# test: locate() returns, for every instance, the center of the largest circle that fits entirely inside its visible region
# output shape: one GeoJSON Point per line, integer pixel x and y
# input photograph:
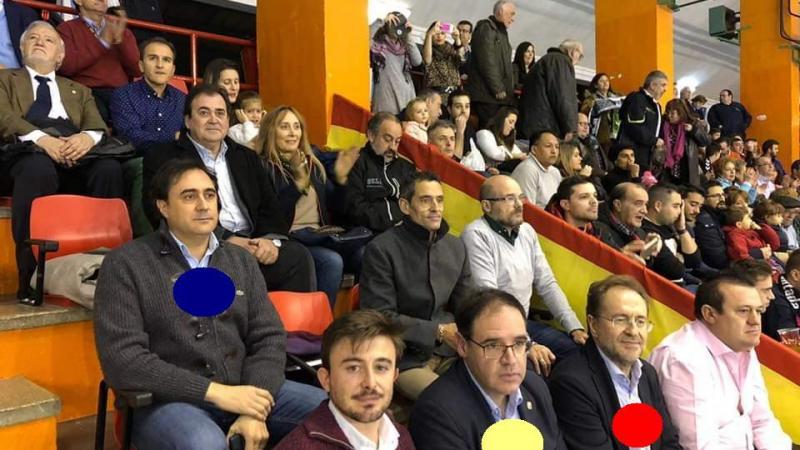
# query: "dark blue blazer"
{"type": "Point", "coordinates": [586, 401]}
{"type": "Point", "coordinates": [451, 414]}
{"type": "Point", "coordinates": [18, 18]}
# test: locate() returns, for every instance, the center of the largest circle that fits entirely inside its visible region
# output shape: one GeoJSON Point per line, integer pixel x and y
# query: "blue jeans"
{"type": "Point", "coordinates": [329, 266]}
{"type": "Point", "coordinates": [557, 341]}
{"type": "Point", "coordinates": [186, 426]}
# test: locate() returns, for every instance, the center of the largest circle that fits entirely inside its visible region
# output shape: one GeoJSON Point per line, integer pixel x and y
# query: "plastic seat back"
{"type": "Point", "coordinates": [355, 297]}
{"type": "Point", "coordinates": [80, 224]}
{"type": "Point", "coordinates": [308, 312]}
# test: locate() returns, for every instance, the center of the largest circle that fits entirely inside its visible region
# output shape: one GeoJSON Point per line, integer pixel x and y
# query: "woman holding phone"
{"type": "Point", "coordinates": [442, 59]}
{"type": "Point", "coordinates": [391, 57]}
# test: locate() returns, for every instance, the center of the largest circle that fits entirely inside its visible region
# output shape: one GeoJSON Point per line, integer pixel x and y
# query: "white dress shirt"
{"type": "Point", "coordinates": [57, 110]}
{"type": "Point", "coordinates": [388, 438]}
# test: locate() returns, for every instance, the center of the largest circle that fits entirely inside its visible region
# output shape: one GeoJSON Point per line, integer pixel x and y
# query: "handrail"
{"type": "Point", "coordinates": [249, 68]}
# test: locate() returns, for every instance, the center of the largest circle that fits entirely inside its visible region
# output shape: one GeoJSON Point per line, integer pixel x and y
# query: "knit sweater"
{"type": "Point", "coordinates": [516, 268]}
{"type": "Point", "coordinates": [145, 342]}
{"type": "Point", "coordinates": [91, 64]}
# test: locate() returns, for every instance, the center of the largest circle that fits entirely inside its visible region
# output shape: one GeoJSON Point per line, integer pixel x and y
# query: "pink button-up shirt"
{"type": "Point", "coordinates": [716, 397]}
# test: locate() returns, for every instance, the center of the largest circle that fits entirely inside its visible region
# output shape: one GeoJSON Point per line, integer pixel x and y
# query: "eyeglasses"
{"type": "Point", "coordinates": [623, 322]}
{"type": "Point", "coordinates": [510, 198]}
{"type": "Point", "coordinates": [494, 350]}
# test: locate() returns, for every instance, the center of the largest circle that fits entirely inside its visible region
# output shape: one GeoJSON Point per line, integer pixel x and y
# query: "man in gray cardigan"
{"type": "Point", "coordinates": [211, 377]}
{"type": "Point", "coordinates": [504, 253]}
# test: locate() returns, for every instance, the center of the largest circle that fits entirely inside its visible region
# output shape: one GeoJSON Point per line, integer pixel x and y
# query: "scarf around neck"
{"type": "Point", "coordinates": [674, 136]}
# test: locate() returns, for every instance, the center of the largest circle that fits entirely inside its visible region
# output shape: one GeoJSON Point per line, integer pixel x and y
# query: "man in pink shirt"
{"type": "Point", "coordinates": [710, 375]}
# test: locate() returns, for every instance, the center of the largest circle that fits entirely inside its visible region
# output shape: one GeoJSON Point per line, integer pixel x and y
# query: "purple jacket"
{"type": "Point", "coordinates": [321, 432]}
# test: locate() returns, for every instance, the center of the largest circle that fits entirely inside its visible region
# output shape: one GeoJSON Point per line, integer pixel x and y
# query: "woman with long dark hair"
{"type": "Point", "coordinates": [391, 57]}
{"type": "Point", "coordinates": [524, 58]}
{"type": "Point", "coordinates": [497, 142]}
{"type": "Point", "coordinates": [442, 60]}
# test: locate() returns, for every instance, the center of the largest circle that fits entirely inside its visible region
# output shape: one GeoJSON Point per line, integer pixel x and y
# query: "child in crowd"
{"type": "Point", "coordinates": [769, 214]}
{"type": "Point", "coordinates": [417, 119]}
{"type": "Point", "coordinates": [249, 117]}
{"type": "Point", "coordinates": [746, 240]}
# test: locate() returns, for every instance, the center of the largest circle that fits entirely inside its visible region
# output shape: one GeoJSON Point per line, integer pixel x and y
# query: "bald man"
{"type": "Point", "coordinates": [504, 252]}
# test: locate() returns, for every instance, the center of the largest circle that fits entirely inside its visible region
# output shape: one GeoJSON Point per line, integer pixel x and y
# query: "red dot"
{"type": "Point", "coordinates": [637, 425]}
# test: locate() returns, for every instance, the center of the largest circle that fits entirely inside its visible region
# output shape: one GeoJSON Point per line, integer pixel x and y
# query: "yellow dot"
{"type": "Point", "coordinates": [512, 434]}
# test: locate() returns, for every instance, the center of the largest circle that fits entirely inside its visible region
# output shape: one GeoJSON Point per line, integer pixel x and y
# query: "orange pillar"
{"type": "Point", "coordinates": [632, 38]}
{"type": "Point", "coordinates": [310, 49]}
{"type": "Point", "coordinates": [770, 80]}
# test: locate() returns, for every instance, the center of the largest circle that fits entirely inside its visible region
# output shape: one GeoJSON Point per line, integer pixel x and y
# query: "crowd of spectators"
{"type": "Point", "coordinates": [231, 183]}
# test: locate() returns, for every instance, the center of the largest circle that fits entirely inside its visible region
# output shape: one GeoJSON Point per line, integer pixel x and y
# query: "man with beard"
{"type": "Point", "coordinates": [710, 374]}
{"type": "Point", "coordinates": [504, 253]}
{"type": "Point", "coordinates": [708, 228]}
{"type": "Point", "coordinates": [417, 273]}
{"type": "Point", "coordinates": [628, 207]}
{"type": "Point", "coordinates": [693, 199]}
{"type": "Point", "coordinates": [665, 218]}
{"type": "Point", "coordinates": [373, 184]}
{"type": "Point", "coordinates": [359, 355]}
{"type": "Point", "coordinates": [588, 388]}
{"type": "Point", "coordinates": [489, 383]}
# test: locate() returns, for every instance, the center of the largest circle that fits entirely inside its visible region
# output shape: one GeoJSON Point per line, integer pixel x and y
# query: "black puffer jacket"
{"type": "Point", "coordinates": [549, 97]}
{"type": "Point", "coordinates": [490, 68]}
{"type": "Point", "coordinates": [640, 116]}
{"type": "Point", "coordinates": [373, 189]}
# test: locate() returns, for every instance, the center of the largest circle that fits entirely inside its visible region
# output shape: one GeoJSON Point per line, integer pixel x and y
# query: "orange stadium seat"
{"type": "Point", "coordinates": [68, 224]}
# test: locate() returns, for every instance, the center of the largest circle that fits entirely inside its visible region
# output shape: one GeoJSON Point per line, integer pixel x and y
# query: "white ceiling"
{"type": "Point", "coordinates": [545, 23]}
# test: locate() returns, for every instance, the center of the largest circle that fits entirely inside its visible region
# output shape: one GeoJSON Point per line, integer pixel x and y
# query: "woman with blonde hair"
{"type": "Point", "coordinates": [302, 185]}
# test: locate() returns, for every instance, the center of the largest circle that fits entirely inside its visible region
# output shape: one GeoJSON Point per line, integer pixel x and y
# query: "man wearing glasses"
{"type": "Point", "coordinates": [588, 388]}
{"type": "Point", "coordinates": [504, 253]}
{"type": "Point", "coordinates": [708, 228]}
{"type": "Point", "coordinates": [710, 374]}
{"type": "Point", "coordinates": [489, 383]}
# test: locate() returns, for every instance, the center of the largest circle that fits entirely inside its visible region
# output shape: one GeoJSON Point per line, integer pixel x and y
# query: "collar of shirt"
{"type": "Point", "coordinates": [715, 346]}
{"type": "Point", "coordinates": [94, 26]}
{"type": "Point", "coordinates": [2, 7]}
{"type": "Point", "coordinates": [206, 154]}
{"type": "Point", "coordinates": [148, 90]}
{"type": "Point", "coordinates": [388, 436]}
{"type": "Point", "coordinates": [629, 385]}
{"type": "Point", "coordinates": [51, 76]}
{"type": "Point", "coordinates": [512, 406]}
{"type": "Point", "coordinates": [510, 236]}
{"type": "Point", "coordinates": [213, 244]}
{"type": "Point", "coordinates": [538, 164]}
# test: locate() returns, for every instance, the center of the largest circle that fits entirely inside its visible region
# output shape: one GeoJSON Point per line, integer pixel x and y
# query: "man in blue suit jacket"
{"type": "Point", "coordinates": [607, 373]}
{"type": "Point", "coordinates": [14, 19]}
{"type": "Point", "coordinates": [488, 384]}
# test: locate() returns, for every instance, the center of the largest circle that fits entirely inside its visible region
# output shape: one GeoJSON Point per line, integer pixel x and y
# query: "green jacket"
{"type": "Point", "coordinates": [490, 70]}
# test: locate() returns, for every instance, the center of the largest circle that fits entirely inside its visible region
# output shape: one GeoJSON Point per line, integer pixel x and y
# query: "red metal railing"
{"type": "Point", "coordinates": [248, 55]}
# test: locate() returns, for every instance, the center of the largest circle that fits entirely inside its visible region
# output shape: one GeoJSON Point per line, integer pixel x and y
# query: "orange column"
{"type": "Point", "coordinates": [770, 81]}
{"type": "Point", "coordinates": [632, 38]}
{"type": "Point", "coordinates": [309, 50]}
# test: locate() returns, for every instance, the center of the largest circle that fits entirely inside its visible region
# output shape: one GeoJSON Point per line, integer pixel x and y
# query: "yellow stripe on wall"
{"type": "Point", "coordinates": [459, 209]}
{"type": "Point", "coordinates": [340, 138]}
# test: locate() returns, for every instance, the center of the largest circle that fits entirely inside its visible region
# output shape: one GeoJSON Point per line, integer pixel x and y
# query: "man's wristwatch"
{"type": "Point", "coordinates": [277, 243]}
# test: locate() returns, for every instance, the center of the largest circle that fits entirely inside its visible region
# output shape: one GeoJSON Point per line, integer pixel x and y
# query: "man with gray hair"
{"type": "Point", "coordinates": [51, 123]}
{"type": "Point", "coordinates": [491, 75]}
{"type": "Point", "coordinates": [641, 119]}
{"type": "Point", "coordinates": [549, 94]}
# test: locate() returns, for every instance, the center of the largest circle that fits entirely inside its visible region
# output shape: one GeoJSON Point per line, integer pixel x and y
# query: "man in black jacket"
{"type": "Point", "coordinates": [628, 208]}
{"type": "Point", "coordinates": [641, 118]}
{"type": "Point", "coordinates": [491, 76]}
{"type": "Point", "coordinates": [373, 184]}
{"type": "Point", "coordinates": [665, 218]}
{"type": "Point", "coordinates": [730, 116]}
{"type": "Point", "coordinates": [491, 381]}
{"type": "Point", "coordinates": [708, 228]}
{"type": "Point", "coordinates": [608, 373]}
{"type": "Point", "coordinates": [249, 212]}
{"type": "Point", "coordinates": [784, 310]}
{"type": "Point", "coordinates": [417, 273]}
{"type": "Point", "coordinates": [549, 97]}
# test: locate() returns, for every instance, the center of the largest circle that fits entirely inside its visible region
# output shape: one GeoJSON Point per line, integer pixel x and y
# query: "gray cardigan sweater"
{"type": "Point", "coordinates": [145, 342]}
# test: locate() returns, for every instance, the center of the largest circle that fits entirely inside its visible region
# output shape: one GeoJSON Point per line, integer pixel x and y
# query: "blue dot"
{"type": "Point", "coordinates": [204, 292]}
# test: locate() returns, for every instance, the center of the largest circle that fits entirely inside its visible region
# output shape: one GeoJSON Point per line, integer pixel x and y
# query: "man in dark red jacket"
{"type": "Point", "coordinates": [101, 51]}
{"type": "Point", "coordinates": [359, 356]}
